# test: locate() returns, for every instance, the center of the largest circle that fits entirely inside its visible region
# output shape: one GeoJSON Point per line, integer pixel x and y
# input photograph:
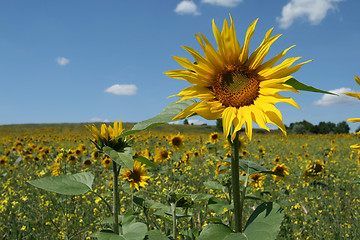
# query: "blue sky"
{"type": "Point", "coordinates": [83, 61]}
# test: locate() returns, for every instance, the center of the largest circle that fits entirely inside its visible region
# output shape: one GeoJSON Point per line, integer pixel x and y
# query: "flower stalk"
{"type": "Point", "coordinates": [238, 207]}
{"type": "Point", "coordinates": [116, 198]}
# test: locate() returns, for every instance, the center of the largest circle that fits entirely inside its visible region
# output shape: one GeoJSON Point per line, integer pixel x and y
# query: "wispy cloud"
{"type": "Point", "coordinates": [95, 119]}
{"type": "Point", "coordinates": [312, 10]}
{"type": "Point", "coordinates": [122, 89]}
{"type": "Point", "coordinates": [187, 7]}
{"type": "Point", "coordinates": [333, 100]}
{"type": "Point", "coordinates": [62, 61]}
{"type": "Point", "coordinates": [224, 3]}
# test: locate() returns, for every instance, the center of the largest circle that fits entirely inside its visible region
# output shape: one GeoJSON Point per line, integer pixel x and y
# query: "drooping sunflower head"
{"type": "Point", "coordinates": [256, 180]}
{"type": "Point", "coordinates": [232, 85]}
{"type": "Point", "coordinates": [137, 176]}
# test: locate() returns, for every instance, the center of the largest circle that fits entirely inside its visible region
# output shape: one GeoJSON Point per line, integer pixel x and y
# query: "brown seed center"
{"type": "Point", "coordinates": [236, 86]}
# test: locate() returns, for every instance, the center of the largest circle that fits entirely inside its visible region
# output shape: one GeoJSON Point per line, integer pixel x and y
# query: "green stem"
{"type": "Point", "coordinates": [173, 211]}
{"type": "Point", "coordinates": [242, 199]}
{"type": "Point", "coordinates": [116, 198]}
{"type": "Point", "coordinates": [103, 199]}
{"type": "Point", "coordinates": [234, 147]}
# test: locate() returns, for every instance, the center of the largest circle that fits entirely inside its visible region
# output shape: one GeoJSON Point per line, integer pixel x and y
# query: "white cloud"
{"type": "Point", "coordinates": [314, 10]}
{"type": "Point", "coordinates": [223, 3]}
{"type": "Point", "coordinates": [95, 119]}
{"type": "Point", "coordinates": [122, 89]}
{"type": "Point", "coordinates": [195, 122]}
{"type": "Point", "coordinates": [191, 122]}
{"type": "Point", "coordinates": [333, 100]}
{"type": "Point", "coordinates": [62, 61]}
{"type": "Point", "coordinates": [187, 7]}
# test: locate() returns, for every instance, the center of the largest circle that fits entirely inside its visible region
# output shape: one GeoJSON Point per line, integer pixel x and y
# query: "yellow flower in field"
{"type": "Point", "coordinates": [257, 180]}
{"type": "Point", "coordinates": [3, 160]}
{"type": "Point", "coordinates": [214, 137]}
{"type": "Point", "coordinates": [161, 155]}
{"type": "Point", "coordinates": [234, 86]}
{"type": "Point", "coordinates": [356, 95]}
{"type": "Point", "coordinates": [55, 169]}
{"type": "Point", "coordinates": [282, 169]}
{"type": "Point", "coordinates": [314, 168]}
{"type": "Point", "coordinates": [106, 162]}
{"type": "Point", "coordinates": [177, 141]}
{"type": "Point", "coordinates": [107, 136]}
{"type": "Point", "coordinates": [137, 176]}
{"type": "Point", "coordinates": [222, 167]}
{"type": "Point", "coordinates": [87, 163]}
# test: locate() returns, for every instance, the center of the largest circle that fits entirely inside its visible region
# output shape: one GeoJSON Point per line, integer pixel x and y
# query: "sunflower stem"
{"type": "Point", "coordinates": [173, 212]}
{"type": "Point", "coordinates": [234, 146]}
{"type": "Point", "coordinates": [116, 199]}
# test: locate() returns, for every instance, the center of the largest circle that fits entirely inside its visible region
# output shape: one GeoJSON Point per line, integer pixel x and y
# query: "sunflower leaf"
{"type": "Point", "coordinates": [145, 161]}
{"type": "Point", "coordinates": [122, 158]}
{"type": "Point", "coordinates": [264, 222]}
{"type": "Point", "coordinates": [74, 184]}
{"type": "Point", "coordinates": [165, 116]}
{"type": "Point", "coordinates": [300, 86]}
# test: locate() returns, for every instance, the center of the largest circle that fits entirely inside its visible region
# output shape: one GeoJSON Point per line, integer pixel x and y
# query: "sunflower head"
{"type": "Point", "coordinates": [257, 180]}
{"type": "Point", "coordinates": [161, 155]}
{"type": "Point", "coordinates": [108, 136]}
{"type": "Point", "coordinates": [233, 85]}
{"type": "Point", "coordinates": [214, 137]}
{"type": "Point", "coordinates": [137, 176]}
{"type": "Point", "coordinates": [282, 169]}
{"type": "Point", "coordinates": [3, 160]}
{"type": "Point", "coordinates": [177, 141]}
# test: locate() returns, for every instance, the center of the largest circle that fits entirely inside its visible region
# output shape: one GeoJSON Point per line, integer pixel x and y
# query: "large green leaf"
{"type": "Point", "coordinates": [145, 161]}
{"type": "Point", "coordinates": [165, 116]}
{"type": "Point", "coordinates": [135, 231]}
{"type": "Point", "coordinates": [264, 223]}
{"type": "Point", "coordinates": [251, 167]}
{"type": "Point", "coordinates": [122, 158]}
{"type": "Point", "coordinates": [300, 86]}
{"type": "Point", "coordinates": [156, 235]}
{"type": "Point", "coordinates": [107, 235]}
{"type": "Point", "coordinates": [215, 231]}
{"type": "Point", "coordinates": [238, 236]}
{"type": "Point", "coordinates": [74, 184]}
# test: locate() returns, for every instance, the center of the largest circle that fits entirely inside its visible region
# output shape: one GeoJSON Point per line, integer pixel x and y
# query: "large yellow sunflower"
{"type": "Point", "coordinates": [356, 95]}
{"type": "Point", "coordinates": [231, 85]}
{"type": "Point", "coordinates": [137, 176]}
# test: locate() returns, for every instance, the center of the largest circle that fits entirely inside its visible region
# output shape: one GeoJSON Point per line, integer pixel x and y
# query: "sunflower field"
{"type": "Point", "coordinates": [318, 193]}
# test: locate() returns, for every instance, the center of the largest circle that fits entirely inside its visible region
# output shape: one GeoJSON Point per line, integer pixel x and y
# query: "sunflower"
{"type": "Point", "coordinates": [282, 169]}
{"type": "Point", "coordinates": [356, 95]}
{"type": "Point", "coordinates": [314, 168]}
{"type": "Point", "coordinates": [257, 180]}
{"type": "Point", "coordinates": [136, 177]}
{"type": "Point", "coordinates": [161, 155]}
{"type": "Point", "coordinates": [222, 167]}
{"type": "Point", "coordinates": [177, 141]}
{"type": "Point", "coordinates": [107, 136]}
{"type": "Point", "coordinates": [106, 162]}
{"type": "Point", "coordinates": [87, 163]}
{"type": "Point", "coordinates": [55, 169]}
{"type": "Point", "coordinates": [214, 137]}
{"type": "Point", "coordinates": [3, 160]}
{"type": "Point", "coordinates": [231, 85]}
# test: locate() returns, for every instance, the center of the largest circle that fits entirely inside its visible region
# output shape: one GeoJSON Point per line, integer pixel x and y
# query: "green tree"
{"type": "Point", "coordinates": [342, 127]}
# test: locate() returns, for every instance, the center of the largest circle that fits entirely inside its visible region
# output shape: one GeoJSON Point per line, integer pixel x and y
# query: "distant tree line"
{"type": "Point", "coordinates": [307, 127]}
{"type": "Point", "coordinates": [321, 128]}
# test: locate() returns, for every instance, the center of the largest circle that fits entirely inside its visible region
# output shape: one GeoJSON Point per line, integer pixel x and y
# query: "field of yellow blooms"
{"type": "Point", "coordinates": [319, 191]}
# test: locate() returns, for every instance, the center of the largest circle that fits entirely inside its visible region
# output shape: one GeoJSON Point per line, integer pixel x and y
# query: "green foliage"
{"type": "Point", "coordinates": [300, 86]}
{"type": "Point", "coordinates": [74, 184]}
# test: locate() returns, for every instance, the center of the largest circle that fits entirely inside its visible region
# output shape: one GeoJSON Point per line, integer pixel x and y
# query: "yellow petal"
{"type": "Point", "coordinates": [245, 49]}
{"type": "Point", "coordinates": [357, 79]}
{"type": "Point", "coordinates": [208, 110]}
{"type": "Point", "coordinates": [350, 94]}
{"type": "Point", "coordinates": [270, 63]}
{"type": "Point", "coordinates": [191, 77]}
{"type": "Point", "coordinates": [355, 146]}
{"type": "Point", "coordinates": [228, 116]}
{"type": "Point", "coordinates": [353, 120]}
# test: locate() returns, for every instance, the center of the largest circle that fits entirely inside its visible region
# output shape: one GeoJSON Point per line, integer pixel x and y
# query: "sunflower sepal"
{"type": "Point", "coordinates": [123, 158]}
{"type": "Point", "coordinates": [303, 87]}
